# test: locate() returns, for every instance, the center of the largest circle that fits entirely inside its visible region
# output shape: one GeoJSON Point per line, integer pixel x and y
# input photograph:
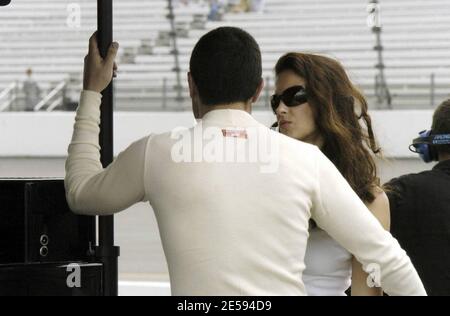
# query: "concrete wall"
{"type": "Point", "coordinates": [48, 134]}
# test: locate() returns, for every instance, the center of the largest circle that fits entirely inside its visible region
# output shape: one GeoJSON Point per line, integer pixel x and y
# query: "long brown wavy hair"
{"type": "Point", "coordinates": [338, 108]}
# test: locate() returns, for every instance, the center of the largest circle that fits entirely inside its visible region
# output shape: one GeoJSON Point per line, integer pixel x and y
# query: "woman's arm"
{"type": "Point", "coordinates": [380, 209]}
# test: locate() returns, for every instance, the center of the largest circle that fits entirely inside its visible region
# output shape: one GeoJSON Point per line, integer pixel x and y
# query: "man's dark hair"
{"type": "Point", "coordinates": [441, 124]}
{"type": "Point", "coordinates": [226, 66]}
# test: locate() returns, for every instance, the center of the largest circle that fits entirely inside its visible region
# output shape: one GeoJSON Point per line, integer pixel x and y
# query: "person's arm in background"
{"type": "Point", "coordinates": [380, 209]}
{"type": "Point", "coordinates": [90, 189]}
{"type": "Point", "coordinates": [339, 211]}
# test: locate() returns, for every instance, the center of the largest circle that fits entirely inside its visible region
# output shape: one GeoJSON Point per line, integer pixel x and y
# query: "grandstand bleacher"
{"type": "Point", "coordinates": [416, 38]}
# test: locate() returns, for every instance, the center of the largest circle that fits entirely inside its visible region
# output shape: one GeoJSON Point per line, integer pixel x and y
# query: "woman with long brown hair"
{"type": "Point", "coordinates": [315, 102]}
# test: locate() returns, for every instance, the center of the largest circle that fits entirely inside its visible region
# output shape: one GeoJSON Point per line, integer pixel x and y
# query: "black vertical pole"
{"type": "Point", "coordinates": [106, 251]}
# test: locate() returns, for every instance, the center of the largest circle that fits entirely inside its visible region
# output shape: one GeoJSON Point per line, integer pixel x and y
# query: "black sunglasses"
{"type": "Point", "coordinates": [291, 97]}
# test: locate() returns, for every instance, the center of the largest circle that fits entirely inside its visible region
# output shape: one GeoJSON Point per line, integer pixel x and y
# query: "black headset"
{"type": "Point", "coordinates": [4, 2]}
{"type": "Point", "coordinates": [425, 145]}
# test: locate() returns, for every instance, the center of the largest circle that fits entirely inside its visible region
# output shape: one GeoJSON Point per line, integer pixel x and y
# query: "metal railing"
{"type": "Point", "coordinates": [432, 90]}
{"type": "Point", "coordinates": [175, 51]}
{"type": "Point", "coordinates": [167, 97]}
{"type": "Point", "coordinates": [53, 99]}
{"type": "Point", "coordinates": [382, 90]}
{"type": "Point", "coordinates": [9, 93]}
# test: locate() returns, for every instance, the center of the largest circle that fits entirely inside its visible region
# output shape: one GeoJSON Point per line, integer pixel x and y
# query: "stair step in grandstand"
{"type": "Point", "coordinates": [44, 37]}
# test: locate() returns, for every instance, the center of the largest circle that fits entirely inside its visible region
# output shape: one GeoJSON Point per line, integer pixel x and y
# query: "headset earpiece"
{"type": "Point", "coordinates": [425, 145]}
{"type": "Point", "coordinates": [421, 146]}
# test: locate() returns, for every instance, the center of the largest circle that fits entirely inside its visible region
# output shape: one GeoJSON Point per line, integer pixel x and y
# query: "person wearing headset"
{"type": "Point", "coordinates": [420, 206]}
